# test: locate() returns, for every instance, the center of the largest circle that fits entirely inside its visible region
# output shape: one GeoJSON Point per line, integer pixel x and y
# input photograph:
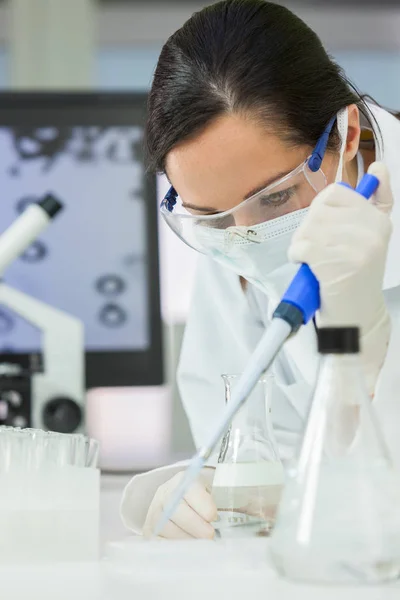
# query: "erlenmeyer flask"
{"type": "Point", "coordinates": [339, 518]}
{"type": "Point", "coordinates": [249, 475]}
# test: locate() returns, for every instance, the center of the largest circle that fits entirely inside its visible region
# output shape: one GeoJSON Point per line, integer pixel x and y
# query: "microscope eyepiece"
{"type": "Point", "coordinates": [50, 205]}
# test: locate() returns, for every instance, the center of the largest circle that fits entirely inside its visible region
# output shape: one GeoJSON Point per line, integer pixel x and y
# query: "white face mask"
{"type": "Point", "coordinates": [259, 253]}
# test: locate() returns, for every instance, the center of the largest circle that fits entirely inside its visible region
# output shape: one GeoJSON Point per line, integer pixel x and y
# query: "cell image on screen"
{"type": "Point", "coordinates": [91, 261]}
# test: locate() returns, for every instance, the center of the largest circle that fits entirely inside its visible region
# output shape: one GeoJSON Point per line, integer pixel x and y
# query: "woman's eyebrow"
{"type": "Point", "coordinates": [265, 184]}
{"type": "Point", "coordinates": [206, 209]}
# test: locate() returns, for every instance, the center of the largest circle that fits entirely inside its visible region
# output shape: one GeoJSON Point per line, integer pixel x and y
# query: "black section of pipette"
{"type": "Point", "coordinates": [291, 314]}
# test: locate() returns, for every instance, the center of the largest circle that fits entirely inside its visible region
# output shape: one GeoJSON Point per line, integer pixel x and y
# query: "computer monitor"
{"type": "Point", "coordinates": [98, 260]}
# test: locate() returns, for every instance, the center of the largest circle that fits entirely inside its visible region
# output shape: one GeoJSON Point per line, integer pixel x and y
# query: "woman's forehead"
{"type": "Point", "coordinates": [233, 156]}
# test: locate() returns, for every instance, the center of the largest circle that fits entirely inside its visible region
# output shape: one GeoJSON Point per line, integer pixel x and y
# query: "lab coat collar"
{"type": "Point", "coordinates": [388, 151]}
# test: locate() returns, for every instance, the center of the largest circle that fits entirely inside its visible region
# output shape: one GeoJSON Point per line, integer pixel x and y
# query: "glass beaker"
{"type": "Point", "coordinates": [249, 475]}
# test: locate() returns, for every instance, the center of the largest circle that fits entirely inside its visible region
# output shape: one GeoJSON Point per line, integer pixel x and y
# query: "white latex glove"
{"type": "Point", "coordinates": [344, 240]}
{"type": "Point", "coordinates": [193, 516]}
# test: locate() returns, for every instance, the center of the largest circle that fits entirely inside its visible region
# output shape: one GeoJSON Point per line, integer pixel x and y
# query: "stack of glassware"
{"type": "Point", "coordinates": [37, 449]}
{"type": "Point", "coordinates": [49, 496]}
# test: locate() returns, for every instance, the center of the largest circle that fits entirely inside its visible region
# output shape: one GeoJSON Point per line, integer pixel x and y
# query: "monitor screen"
{"type": "Point", "coordinates": [98, 259]}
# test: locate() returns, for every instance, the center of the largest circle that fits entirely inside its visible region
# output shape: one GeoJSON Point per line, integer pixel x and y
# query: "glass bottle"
{"type": "Point", "coordinates": [339, 518]}
{"type": "Point", "coordinates": [249, 474]}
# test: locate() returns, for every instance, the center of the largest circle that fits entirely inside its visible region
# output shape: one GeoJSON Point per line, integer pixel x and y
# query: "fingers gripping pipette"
{"type": "Point", "coordinates": [298, 305]}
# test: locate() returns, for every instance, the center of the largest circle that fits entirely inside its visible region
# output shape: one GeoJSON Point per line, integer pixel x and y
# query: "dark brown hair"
{"type": "Point", "coordinates": [247, 56]}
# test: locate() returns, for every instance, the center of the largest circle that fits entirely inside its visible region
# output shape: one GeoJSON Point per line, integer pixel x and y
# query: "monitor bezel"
{"type": "Point", "coordinates": [108, 368]}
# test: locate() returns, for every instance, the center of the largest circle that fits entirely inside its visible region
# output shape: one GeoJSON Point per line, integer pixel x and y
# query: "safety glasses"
{"type": "Point", "coordinates": [292, 192]}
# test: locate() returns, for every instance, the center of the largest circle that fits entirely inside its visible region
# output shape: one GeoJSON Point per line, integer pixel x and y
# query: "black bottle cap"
{"type": "Point", "coordinates": [339, 340]}
{"type": "Point", "coordinates": [51, 205]}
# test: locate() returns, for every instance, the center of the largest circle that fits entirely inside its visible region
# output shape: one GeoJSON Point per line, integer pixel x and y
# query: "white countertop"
{"type": "Point", "coordinates": [188, 570]}
{"type": "Point", "coordinates": [111, 527]}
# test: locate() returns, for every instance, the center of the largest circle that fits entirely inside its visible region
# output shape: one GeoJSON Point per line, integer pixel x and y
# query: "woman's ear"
{"type": "Point", "coordinates": [353, 133]}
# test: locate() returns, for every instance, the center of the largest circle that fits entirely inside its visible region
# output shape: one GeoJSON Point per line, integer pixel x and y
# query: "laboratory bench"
{"type": "Point", "coordinates": [189, 570]}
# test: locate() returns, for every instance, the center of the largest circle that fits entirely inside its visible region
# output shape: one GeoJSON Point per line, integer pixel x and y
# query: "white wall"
{"type": "Point", "coordinates": [124, 24]}
{"type": "Point", "coordinates": [4, 68]}
{"type": "Point", "coordinates": [375, 72]}
{"type": "Point", "coordinates": [126, 67]}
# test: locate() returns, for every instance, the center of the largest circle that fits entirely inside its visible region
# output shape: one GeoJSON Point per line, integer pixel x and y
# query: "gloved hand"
{"type": "Point", "coordinates": [194, 515]}
{"type": "Point", "coordinates": [344, 240]}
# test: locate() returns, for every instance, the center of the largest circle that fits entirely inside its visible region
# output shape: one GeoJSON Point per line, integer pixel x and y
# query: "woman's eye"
{"type": "Point", "coordinates": [279, 197]}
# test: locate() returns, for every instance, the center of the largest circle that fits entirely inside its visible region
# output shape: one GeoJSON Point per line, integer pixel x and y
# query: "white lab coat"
{"type": "Point", "coordinates": [223, 328]}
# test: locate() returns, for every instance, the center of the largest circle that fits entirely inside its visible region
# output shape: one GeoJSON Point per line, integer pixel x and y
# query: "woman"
{"type": "Point", "coordinates": [251, 121]}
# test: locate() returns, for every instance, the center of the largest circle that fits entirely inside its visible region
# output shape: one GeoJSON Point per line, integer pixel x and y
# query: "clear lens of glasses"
{"type": "Point", "coordinates": [206, 233]}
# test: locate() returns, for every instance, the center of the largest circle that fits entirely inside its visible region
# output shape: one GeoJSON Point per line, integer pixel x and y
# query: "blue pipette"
{"type": "Point", "coordinates": [298, 305]}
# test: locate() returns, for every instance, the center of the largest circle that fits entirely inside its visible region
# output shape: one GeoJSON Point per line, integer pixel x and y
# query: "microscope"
{"type": "Point", "coordinates": [46, 390]}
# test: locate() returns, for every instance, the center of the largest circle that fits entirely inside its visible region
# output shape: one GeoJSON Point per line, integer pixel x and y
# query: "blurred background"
{"type": "Point", "coordinates": [110, 45]}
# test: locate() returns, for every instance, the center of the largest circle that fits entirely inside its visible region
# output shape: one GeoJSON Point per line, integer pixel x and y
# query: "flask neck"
{"type": "Point", "coordinates": [340, 381]}
{"type": "Point", "coordinates": [250, 437]}
{"type": "Point", "coordinates": [256, 409]}
{"type": "Point", "coordinates": [341, 421]}
{"type": "Point", "coordinates": [341, 362]}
